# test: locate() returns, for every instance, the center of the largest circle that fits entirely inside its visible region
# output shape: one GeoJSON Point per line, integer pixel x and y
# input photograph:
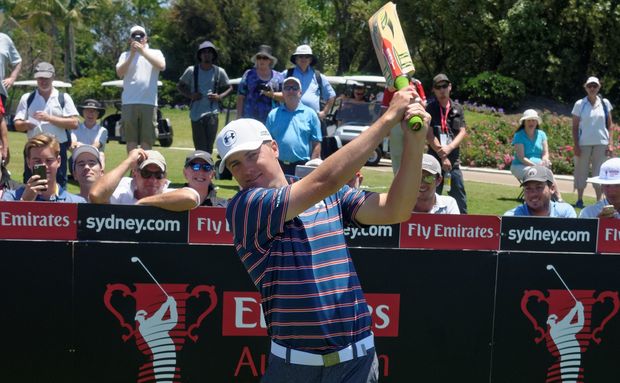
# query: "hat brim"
{"type": "Point", "coordinates": [274, 60]}
{"type": "Point", "coordinates": [253, 145]}
{"type": "Point", "coordinates": [82, 108]}
{"type": "Point", "coordinates": [43, 75]}
{"type": "Point", "coordinates": [599, 180]}
{"type": "Point", "coordinates": [530, 118]}
{"type": "Point", "coordinates": [312, 63]}
{"type": "Point", "coordinates": [537, 179]}
{"type": "Point", "coordinates": [148, 162]}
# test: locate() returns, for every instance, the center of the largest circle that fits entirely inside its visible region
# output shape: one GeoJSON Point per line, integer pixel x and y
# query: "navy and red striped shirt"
{"type": "Point", "coordinates": [311, 297]}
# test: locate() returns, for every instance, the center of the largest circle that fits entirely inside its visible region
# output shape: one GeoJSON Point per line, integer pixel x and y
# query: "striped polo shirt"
{"type": "Point", "coordinates": [311, 297]}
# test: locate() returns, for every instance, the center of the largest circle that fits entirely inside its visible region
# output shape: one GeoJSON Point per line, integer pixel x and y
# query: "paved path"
{"type": "Point", "coordinates": [501, 177]}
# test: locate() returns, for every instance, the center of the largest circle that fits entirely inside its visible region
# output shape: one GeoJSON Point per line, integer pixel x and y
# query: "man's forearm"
{"type": "Point", "coordinates": [155, 61]}
{"type": "Point", "coordinates": [102, 189]}
{"type": "Point", "coordinates": [64, 122]}
{"type": "Point", "coordinates": [177, 200]}
{"type": "Point", "coordinates": [316, 150]}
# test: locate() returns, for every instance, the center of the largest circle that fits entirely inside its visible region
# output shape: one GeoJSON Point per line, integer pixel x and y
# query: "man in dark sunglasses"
{"type": "Point", "coordinates": [199, 170]}
{"type": "Point", "coordinates": [149, 178]}
{"type": "Point", "coordinates": [446, 132]}
{"type": "Point", "coordinates": [295, 127]}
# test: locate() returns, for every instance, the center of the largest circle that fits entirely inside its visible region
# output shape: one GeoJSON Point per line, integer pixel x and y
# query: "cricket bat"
{"type": "Point", "coordinates": [392, 51]}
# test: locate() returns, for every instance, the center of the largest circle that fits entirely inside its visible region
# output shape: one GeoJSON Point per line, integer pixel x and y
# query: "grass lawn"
{"type": "Point", "coordinates": [482, 198]}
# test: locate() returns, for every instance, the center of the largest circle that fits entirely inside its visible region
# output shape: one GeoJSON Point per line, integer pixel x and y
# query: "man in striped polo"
{"type": "Point", "coordinates": [289, 237]}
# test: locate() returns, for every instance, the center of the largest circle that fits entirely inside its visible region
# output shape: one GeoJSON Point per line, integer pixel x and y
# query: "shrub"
{"type": "Point", "coordinates": [494, 89]}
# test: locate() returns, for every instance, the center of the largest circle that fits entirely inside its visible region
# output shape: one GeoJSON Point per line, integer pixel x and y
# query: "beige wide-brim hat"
{"type": "Point", "coordinates": [530, 114]}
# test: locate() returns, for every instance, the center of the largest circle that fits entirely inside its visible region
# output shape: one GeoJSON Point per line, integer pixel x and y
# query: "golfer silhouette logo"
{"type": "Point", "coordinates": [569, 328]}
{"type": "Point", "coordinates": [158, 324]}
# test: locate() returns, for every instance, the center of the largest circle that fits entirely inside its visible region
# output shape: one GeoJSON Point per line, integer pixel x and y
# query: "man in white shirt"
{"type": "Point", "coordinates": [609, 179]}
{"type": "Point", "coordinates": [428, 199]}
{"type": "Point", "coordinates": [8, 56]}
{"type": "Point", "coordinates": [139, 68]}
{"type": "Point", "coordinates": [148, 170]}
{"type": "Point", "coordinates": [44, 111]}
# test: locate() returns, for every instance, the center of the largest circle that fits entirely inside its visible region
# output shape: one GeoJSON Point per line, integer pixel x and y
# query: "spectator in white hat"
{"type": "Point", "coordinates": [592, 136]}
{"type": "Point", "coordinates": [609, 181]}
{"type": "Point", "coordinates": [139, 68]}
{"type": "Point", "coordinates": [530, 144]}
{"type": "Point", "coordinates": [539, 190]}
{"type": "Point", "coordinates": [428, 200]}
{"type": "Point", "coordinates": [148, 169]}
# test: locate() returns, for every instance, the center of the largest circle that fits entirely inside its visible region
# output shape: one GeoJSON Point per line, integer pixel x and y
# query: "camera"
{"type": "Point", "coordinates": [264, 87]}
{"type": "Point", "coordinates": [137, 37]}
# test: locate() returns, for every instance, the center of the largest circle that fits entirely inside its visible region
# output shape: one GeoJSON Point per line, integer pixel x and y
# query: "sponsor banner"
{"type": "Point", "coordinates": [209, 225]}
{"type": "Point", "coordinates": [130, 224]}
{"type": "Point", "coordinates": [372, 236]}
{"type": "Point", "coordinates": [242, 314]}
{"type": "Point", "coordinates": [450, 232]}
{"type": "Point", "coordinates": [608, 236]}
{"type": "Point", "coordinates": [556, 317]}
{"type": "Point", "coordinates": [38, 220]}
{"type": "Point", "coordinates": [549, 234]}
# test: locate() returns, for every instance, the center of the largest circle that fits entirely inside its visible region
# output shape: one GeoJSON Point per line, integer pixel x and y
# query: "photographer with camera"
{"type": "Point", "coordinates": [139, 68]}
{"type": "Point", "coordinates": [205, 84]}
{"type": "Point", "coordinates": [258, 85]}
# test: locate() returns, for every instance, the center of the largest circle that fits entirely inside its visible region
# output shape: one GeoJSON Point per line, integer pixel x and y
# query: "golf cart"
{"type": "Point", "coordinates": [351, 117]}
{"type": "Point", "coordinates": [12, 101]}
{"type": "Point", "coordinates": [112, 123]}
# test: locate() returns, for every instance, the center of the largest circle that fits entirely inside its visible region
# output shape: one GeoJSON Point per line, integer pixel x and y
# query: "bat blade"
{"type": "Point", "coordinates": [390, 45]}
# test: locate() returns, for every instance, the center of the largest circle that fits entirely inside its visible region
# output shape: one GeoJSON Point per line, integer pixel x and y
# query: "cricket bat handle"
{"type": "Point", "coordinates": [415, 122]}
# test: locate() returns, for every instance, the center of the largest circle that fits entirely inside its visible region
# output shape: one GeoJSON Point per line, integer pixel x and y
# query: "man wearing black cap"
{"type": "Point", "coordinates": [205, 84]}
{"type": "Point", "coordinates": [46, 110]}
{"type": "Point", "coordinates": [446, 133]}
{"type": "Point", "coordinates": [139, 68]}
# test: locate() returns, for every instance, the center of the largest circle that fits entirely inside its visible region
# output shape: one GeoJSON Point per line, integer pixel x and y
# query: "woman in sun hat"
{"type": "Point", "coordinates": [530, 144]}
{"type": "Point", "coordinates": [592, 136]}
{"type": "Point", "coordinates": [256, 89]}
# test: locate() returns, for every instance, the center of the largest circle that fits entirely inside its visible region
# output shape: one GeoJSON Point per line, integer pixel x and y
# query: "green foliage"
{"type": "Point", "coordinates": [489, 143]}
{"type": "Point", "coordinates": [169, 95]}
{"type": "Point", "coordinates": [494, 89]}
{"type": "Point", "coordinates": [90, 87]}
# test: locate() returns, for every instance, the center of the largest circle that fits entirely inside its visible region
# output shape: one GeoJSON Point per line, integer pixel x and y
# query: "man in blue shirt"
{"type": "Point", "coordinates": [290, 239]}
{"type": "Point", "coordinates": [42, 149]}
{"type": "Point", "coordinates": [538, 188]}
{"type": "Point", "coordinates": [295, 128]}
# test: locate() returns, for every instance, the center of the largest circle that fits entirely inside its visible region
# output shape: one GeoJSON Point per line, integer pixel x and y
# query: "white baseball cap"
{"type": "Point", "coordinates": [593, 80]}
{"type": "Point", "coordinates": [153, 157]}
{"type": "Point", "coordinates": [292, 78]}
{"type": "Point", "coordinates": [137, 28]}
{"type": "Point", "coordinates": [240, 135]}
{"type": "Point", "coordinates": [609, 173]}
{"type": "Point", "coordinates": [430, 164]}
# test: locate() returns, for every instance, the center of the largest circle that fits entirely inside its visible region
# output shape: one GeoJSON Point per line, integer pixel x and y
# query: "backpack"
{"type": "Point", "coordinates": [216, 77]}
{"type": "Point", "coordinates": [61, 101]}
{"type": "Point", "coordinates": [317, 76]}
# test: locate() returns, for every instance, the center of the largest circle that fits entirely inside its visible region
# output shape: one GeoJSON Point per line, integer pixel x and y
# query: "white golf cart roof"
{"type": "Point", "coordinates": [119, 83]}
{"type": "Point", "coordinates": [55, 83]}
{"type": "Point", "coordinates": [234, 81]}
{"type": "Point", "coordinates": [379, 80]}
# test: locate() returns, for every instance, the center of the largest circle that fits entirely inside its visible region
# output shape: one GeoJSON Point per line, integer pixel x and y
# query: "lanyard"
{"type": "Point", "coordinates": [444, 117]}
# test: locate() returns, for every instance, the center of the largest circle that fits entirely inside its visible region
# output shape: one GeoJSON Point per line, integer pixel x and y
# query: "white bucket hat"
{"type": "Point", "coordinates": [609, 173]}
{"type": "Point", "coordinates": [530, 114]}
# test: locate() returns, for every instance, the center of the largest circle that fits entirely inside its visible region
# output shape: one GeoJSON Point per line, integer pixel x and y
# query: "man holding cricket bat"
{"type": "Point", "coordinates": [290, 239]}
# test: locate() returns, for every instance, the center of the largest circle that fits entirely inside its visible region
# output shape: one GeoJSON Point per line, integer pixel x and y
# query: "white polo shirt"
{"type": "Point", "coordinates": [140, 81]}
{"type": "Point", "coordinates": [592, 128]}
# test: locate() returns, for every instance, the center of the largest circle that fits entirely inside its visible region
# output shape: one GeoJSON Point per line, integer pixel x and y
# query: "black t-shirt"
{"type": "Point", "coordinates": [455, 121]}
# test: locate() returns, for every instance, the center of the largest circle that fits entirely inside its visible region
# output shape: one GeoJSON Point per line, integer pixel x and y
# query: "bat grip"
{"type": "Point", "coordinates": [415, 122]}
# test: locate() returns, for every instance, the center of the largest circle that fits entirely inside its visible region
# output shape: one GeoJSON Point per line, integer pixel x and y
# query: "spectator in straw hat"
{"type": "Point", "coordinates": [530, 144]}
{"type": "Point", "coordinates": [256, 90]}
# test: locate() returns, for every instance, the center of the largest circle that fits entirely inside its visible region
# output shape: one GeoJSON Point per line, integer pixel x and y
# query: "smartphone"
{"type": "Point", "coordinates": [41, 171]}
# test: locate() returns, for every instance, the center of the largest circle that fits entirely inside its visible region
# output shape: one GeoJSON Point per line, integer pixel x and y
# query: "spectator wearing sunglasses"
{"type": "Point", "coordinates": [295, 128]}
{"type": "Point", "coordinates": [428, 199]}
{"type": "Point", "coordinates": [198, 191]}
{"type": "Point", "coordinates": [444, 137]}
{"type": "Point", "coordinates": [148, 170]}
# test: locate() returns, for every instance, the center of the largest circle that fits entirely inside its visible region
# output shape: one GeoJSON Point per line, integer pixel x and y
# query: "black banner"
{"type": "Point", "coordinates": [131, 224]}
{"type": "Point", "coordinates": [541, 333]}
{"type": "Point", "coordinates": [373, 236]}
{"type": "Point", "coordinates": [549, 234]}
